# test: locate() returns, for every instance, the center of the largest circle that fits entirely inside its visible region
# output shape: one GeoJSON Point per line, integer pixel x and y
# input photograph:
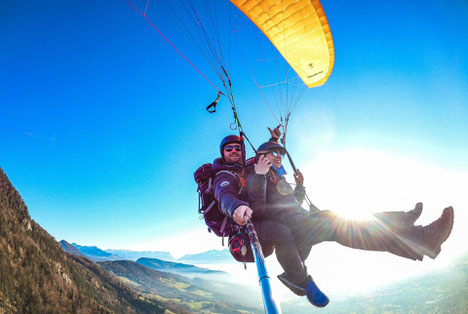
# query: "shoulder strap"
{"type": "Point", "coordinates": [227, 171]}
{"type": "Point", "coordinates": [210, 206]}
{"type": "Point", "coordinates": [235, 175]}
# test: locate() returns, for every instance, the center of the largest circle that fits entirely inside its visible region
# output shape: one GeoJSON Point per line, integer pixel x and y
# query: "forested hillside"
{"type": "Point", "coordinates": [36, 276]}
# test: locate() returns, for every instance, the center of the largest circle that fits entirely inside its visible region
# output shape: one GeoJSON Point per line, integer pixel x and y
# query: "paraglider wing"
{"type": "Point", "coordinates": [299, 30]}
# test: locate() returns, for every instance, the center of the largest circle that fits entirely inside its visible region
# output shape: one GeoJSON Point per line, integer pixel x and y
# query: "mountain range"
{"type": "Point", "coordinates": [191, 294]}
{"type": "Point", "coordinates": [96, 254]}
{"type": "Point", "coordinates": [134, 255]}
{"type": "Point", "coordinates": [208, 257]}
{"type": "Point", "coordinates": [71, 249]}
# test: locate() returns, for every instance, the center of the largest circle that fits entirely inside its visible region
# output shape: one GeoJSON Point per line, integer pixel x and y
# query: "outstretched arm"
{"type": "Point", "coordinates": [226, 191]}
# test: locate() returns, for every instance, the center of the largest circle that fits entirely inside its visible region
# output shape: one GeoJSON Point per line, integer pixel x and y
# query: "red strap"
{"type": "Point", "coordinates": [238, 248]}
{"type": "Point", "coordinates": [273, 177]}
{"type": "Point", "coordinates": [241, 179]}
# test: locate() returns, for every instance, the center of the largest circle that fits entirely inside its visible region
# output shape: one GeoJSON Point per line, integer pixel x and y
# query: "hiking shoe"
{"type": "Point", "coordinates": [315, 296]}
{"type": "Point", "coordinates": [414, 214]}
{"type": "Point", "coordinates": [307, 288]}
{"type": "Point", "coordinates": [400, 219]}
{"type": "Point", "coordinates": [437, 232]}
{"type": "Point", "coordinates": [299, 290]}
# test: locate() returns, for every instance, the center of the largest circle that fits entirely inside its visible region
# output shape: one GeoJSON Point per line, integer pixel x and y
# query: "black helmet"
{"type": "Point", "coordinates": [229, 139]}
{"type": "Point", "coordinates": [232, 139]}
{"type": "Point", "coordinates": [271, 146]}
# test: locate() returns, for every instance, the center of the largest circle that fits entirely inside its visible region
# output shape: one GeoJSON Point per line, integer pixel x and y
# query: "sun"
{"type": "Point", "coordinates": [357, 183]}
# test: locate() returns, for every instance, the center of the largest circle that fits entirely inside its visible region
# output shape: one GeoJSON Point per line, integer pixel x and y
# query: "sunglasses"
{"type": "Point", "coordinates": [276, 153]}
{"type": "Point", "coordinates": [229, 148]}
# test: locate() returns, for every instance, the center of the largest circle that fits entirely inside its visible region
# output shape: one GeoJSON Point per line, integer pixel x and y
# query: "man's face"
{"type": "Point", "coordinates": [232, 153]}
{"type": "Point", "coordinates": [275, 158]}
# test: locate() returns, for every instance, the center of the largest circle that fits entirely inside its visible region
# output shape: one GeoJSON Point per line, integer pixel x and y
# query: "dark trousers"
{"type": "Point", "coordinates": [289, 249]}
{"type": "Point", "coordinates": [294, 231]}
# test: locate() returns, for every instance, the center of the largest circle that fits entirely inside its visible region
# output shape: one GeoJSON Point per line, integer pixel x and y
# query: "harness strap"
{"type": "Point", "coordinates": [210, 185]}
{"type": "Point", "coordinates": [272, 176]}
{"type": "Point", "coordinates": [209, 207]}
{"type": "Point", "coordinates": [200, 201]}
{"type": "Point", "coordinates": [223, 225]}
{"type": "Point", "coordinates": [242, 134]}
{"type": "Point", "coordinates": [227, 171]}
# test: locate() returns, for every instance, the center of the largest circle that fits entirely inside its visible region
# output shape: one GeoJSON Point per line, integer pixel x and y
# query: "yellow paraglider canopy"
{"type": "Point", "coordinates": [299, 30]}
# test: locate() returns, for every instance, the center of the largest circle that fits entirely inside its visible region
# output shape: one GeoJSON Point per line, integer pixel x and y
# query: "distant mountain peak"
{"type": "Point", "coordinates": [134, 255]}
{"type": "Point", "coordinates": [211, 255]}
{"type": "Point", "coordinates": [67, 247]}
{"type": "Point", "coordinates": [92, 251]}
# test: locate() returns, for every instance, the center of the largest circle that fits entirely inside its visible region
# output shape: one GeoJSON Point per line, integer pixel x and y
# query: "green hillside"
{"type": "Point", "coordinates": [36, 276]}
{"type": "Point", "coordinates": [195, 295]}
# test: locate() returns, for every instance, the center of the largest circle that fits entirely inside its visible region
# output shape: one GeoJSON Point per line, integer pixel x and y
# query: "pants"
{"type": "Point", "coordinates": [293, 233]}
{"type": "Point", "coordinates": [278, 237]}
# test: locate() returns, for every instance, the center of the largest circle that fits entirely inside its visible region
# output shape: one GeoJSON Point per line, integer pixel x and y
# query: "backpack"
{"type": "Point", "coordinates": [238, 239]}
{"type": "Point", "coordinates": [208, 205]}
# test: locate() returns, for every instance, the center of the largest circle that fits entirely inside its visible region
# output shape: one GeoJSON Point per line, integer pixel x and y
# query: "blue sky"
{"type": "Point", "coordinates": [102, 123]}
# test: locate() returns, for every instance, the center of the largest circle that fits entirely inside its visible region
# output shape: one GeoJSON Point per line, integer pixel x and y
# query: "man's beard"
{"type": "Point", "coordinates": [234, 158]}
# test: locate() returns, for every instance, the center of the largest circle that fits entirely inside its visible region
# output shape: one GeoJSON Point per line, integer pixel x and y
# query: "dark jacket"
{"type": "Point", "coordinates": [228, 186]}
{"type": "Point", "coordinates": [256, 190]}
{"type": "Point", "coordinates": [279, 195]}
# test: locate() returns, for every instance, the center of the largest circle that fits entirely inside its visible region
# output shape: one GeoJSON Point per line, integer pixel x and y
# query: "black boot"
{"type": "Point", "coordinates": [414, 214]}
{"type": "Point", "coordinates": [401, 218]}
{"type": "Point", "coordinates": [437, 232]}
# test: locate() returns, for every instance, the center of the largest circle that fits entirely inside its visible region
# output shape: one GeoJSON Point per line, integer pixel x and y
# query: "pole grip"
{"type": "Point", "coordinates": [269, 303]}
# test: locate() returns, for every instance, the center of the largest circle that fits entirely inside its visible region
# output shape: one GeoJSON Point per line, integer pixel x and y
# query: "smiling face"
{"type": "Point", "coordinates": [232, 153]}
{"type": "Point", "coordinates": [275, 158]}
